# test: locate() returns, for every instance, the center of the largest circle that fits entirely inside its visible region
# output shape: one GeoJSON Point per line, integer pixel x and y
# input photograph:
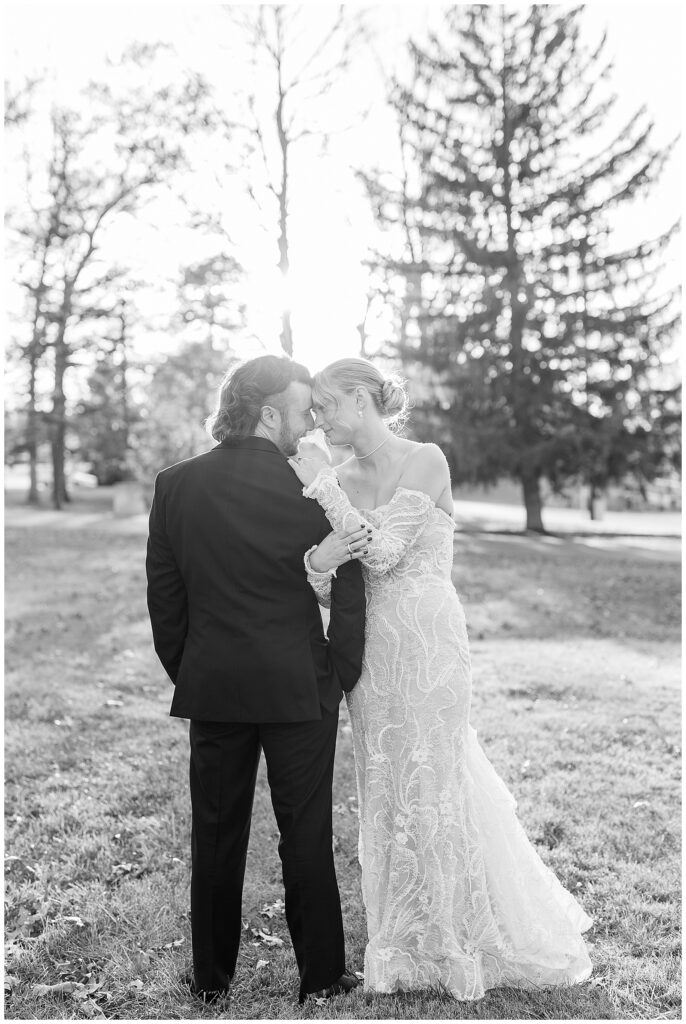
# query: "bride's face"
{"type": "Point", "coordinates": [337, 415]}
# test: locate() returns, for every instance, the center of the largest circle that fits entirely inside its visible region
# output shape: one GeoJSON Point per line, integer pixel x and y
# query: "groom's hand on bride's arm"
{"type": "Point", "coordinates": [338, 547]}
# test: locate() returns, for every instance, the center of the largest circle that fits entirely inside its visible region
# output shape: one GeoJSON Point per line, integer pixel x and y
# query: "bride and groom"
{"type": "Point", "coordinates": [245, 540]}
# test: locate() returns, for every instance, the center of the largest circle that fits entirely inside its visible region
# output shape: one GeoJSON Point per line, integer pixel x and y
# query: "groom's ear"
{"type": "Point", "coordinates": [268, 415]}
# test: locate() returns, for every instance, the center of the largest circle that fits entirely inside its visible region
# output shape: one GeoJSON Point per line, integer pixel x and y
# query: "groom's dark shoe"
{"type": "Point", "coordinates": [346, 983]}
{"type": "Point", "coordinates": [205, 995]}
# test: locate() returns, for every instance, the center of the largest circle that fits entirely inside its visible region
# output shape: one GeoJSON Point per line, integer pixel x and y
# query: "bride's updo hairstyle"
{"type": "Point", "coordinates": [389, 394]}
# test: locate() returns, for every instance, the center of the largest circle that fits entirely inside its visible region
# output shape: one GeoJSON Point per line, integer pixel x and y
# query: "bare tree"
{"type": "Point", "coordinates": [296, 69]}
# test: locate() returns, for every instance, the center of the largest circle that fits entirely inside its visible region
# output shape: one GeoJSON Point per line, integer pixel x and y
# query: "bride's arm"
{"type": "Point", "coordinates": [401, 524]}
{"type": "Point", "coordinates": [336, 549]}
{"type": "Point", "coordinates": [319, 581]}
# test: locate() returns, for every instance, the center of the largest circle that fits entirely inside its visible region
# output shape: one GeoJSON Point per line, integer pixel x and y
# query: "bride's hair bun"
{"type": "Point", "coordinates": [389, 394]}
{"type": "Point", "coordinates": [393, 397]}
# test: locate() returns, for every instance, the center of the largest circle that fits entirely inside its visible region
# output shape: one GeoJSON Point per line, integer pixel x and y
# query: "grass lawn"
{"type": "Point", "coordinates": [576, 701]}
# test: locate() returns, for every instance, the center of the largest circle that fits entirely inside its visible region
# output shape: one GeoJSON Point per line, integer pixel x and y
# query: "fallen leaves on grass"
{"type": "Point", "coordinates": [267, 937]}
{"type": "Point", "coordinates": [92, 1010]}
{"type": "Point", "coordinates": [259, 934]}
{"type": "Point", "coordinates": [272, 909]}
{"type": "Point", "coordinates": [174, 944]}
{"type": "Point", "coordinates": [552, 834]}
{"type": "Point", "coordinates": [73, 988]}
{"type": "Point", "coordinates": [126, 870]}
{"type": "Point", "coordinates": [19, 869]}
{"type": "Point", "coordinates": [79, 991]}
{"type": "Point", "coordinates": [26, 922]}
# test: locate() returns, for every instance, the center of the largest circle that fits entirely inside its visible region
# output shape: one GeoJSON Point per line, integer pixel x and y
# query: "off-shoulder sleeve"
{"type": "Point", "coordinates": [404, 518]}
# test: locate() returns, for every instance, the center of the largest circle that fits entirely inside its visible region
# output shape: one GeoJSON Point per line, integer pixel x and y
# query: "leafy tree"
{"type": "Point", "coordinates": [105, 416]}
{"type": "Point", "coordinates": [536, 333]}
{"type": "Point", "coordinates": [181, 387]}
{"type": "Point", "coordinates": [179, 396]}
{"type": "Point", "coordinates": [108, 155]}
{"type": "Point", "coordinates": [208, 304]}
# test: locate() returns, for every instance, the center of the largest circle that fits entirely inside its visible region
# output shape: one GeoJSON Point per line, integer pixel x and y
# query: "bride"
{"type": "Point", "coordinates": [455, 894]}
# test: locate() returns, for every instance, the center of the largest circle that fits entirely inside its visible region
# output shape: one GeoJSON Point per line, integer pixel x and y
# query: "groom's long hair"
{"type": "Point", "coordinates": [246, 390]}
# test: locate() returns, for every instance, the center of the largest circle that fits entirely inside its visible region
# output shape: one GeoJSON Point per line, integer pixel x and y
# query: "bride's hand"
{"type": "Point", "coordinates": [307, 463]}
{"type": "Point", "coordinates": [340, 546]}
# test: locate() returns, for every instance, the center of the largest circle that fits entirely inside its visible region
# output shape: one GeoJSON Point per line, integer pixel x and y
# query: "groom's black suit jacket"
{"type": "Point", "coordinates": [235, 623]}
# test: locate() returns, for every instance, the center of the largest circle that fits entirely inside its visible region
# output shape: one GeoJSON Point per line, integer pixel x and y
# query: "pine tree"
{"type": "Point", "coordinates": [533, 335]}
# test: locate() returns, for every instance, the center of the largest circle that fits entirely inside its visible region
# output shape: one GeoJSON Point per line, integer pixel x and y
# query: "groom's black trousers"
{"type": "Point", "coordinates": [224, 761]}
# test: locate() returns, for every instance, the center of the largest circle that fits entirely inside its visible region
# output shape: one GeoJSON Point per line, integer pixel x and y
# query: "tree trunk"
{"type": "Point", "coordinates": [286, 332]}
{"type": "Point", "coordinates": [59, 486]}
{"type": "Point", "coordinates": [361, 330]}
{"type": "Point", "coordinates": [124, 367]}
{"type": "Point", "coordinates": [284, 258]}
{"type": "Point", "coordinates": [34, 352]}
{"type": "Point", "coordinates": [413, 298]}
{"type": "Point", "coordinates": [33, 497]}
{"type": "Point", "coordinates": [284, 265]}
{"type": "Point", "coordinates": [596, 503]}
{"type": "Point", "coordinates": [58, 418]}
{"type": "Point", "coordinates": [514, 279]}
{"type": "Point", "coordinates": [531, 487]}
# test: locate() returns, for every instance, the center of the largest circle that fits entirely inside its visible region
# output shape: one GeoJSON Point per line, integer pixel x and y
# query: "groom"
{"type": "Point", "coordinates": [238, 630]}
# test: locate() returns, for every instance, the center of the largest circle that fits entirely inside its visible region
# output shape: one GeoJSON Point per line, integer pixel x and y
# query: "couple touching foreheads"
{"type": "Point", "coordinates": [245, 540]}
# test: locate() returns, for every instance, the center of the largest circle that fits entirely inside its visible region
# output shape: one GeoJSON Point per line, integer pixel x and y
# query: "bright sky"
{"type": "Point", "coordinates": [331, 223]}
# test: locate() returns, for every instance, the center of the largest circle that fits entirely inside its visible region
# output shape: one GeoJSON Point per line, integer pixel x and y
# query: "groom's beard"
{"type": "Point", "coordinates": [287, 442]}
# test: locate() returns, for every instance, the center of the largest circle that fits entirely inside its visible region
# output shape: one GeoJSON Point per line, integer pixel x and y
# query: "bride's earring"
{"type": "Point", "coordinates": [359, 413]}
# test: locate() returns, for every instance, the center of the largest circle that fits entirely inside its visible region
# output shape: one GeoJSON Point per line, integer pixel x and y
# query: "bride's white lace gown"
{"type": "Point", "coordinates": [455, 893]}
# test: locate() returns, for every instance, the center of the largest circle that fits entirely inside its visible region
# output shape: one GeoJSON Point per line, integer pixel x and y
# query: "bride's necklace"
{"type": "Point", "coordinates": [360, 457]}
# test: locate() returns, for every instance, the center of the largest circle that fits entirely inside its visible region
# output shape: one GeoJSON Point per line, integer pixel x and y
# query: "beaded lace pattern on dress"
{"type": "Point", "coordinates": [455, 894]}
